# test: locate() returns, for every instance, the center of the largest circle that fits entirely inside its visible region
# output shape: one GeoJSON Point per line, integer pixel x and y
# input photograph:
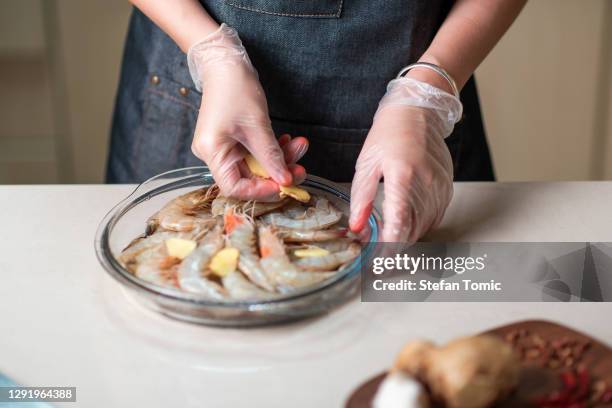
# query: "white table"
{"type": "Point", "coordinates": [65, 322]}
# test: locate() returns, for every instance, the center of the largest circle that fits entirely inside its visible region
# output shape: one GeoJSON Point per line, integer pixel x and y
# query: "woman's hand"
{"type": "Point", "coordinates": [406, 147]}
{"type": "Point", "coordinates": [234, 121]}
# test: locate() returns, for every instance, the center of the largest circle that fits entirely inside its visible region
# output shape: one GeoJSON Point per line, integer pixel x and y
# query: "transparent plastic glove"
{"type": "Point", "coordinates": [233, 119]}
{"type": "Point", "coordinates": [406, 146]}
{"type": "Point", "coordinates": [294, 148]}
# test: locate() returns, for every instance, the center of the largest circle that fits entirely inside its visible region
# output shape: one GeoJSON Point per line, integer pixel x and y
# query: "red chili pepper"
{"type": "Point", "coordinates": [606, 398]}
{"type": "Point", "coordinates": [575, 390]}
{"type": "Point", "coordinates": [569, 379]}
{"type": "Point", "coordinates": [577, 405]}
{"type": "Point", "coordinates": [584, 384]}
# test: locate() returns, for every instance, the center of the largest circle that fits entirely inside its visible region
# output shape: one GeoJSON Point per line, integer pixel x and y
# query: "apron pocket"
{"type": "Point", "coordinates": [332, 153]}
{"type": "Point", "coordinates": [163, 138]}
{"type": "Point", "coordinates": [292, 8]}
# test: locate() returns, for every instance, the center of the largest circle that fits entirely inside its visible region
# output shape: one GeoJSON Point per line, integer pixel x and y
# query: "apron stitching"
{"type": "Point", "coordinates": [336, 14]}
{"type": "Point", "coordinates": [139, 134]}
{"type": "Point", "coordinates": [174, 99]}
{"type": "Point", "coordinates": [191, 134]}
{"type": "Point", "coordinates": [177, 145]}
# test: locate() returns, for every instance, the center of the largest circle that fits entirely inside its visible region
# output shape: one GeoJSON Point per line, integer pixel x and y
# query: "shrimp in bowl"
{"type": "Point", "coordinates": [223, 249]}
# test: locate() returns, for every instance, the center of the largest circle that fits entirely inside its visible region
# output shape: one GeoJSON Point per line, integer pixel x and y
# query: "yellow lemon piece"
{"type": "Point", "coordinates": [179, 248]}
{"type": "Point", "coordinates": [295, 192]}
{"type": "Point", "coordinates": [311, 252]}
{"type": "Point", "coordinates": [255, 167]}
{"type": "Point", "coordinates": [224, 262]}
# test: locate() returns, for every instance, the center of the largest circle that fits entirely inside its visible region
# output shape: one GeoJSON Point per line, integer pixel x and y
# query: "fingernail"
{"type": "Point", "coordinates": [354, 223]}
{"type": "Point", "coordinates": [352, 214]}
{"type": "Point", "coordinates": [359, 216]}
{"type": "Point", "coordinates": [300, 151]}
{"type": "Point", "coordinates": [284, 178]}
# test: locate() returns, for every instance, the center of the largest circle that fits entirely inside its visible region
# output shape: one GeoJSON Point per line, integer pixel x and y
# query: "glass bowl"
{"type": "Point", "coordinates": [127, 220]}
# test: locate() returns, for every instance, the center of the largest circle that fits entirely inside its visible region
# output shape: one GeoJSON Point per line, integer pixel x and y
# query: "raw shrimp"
{"type": "Point", "coordinates": [191, 271]}
{"type": "Point", "coordinates": [335, 245]}
{"type": "Point", "coordinates": [128, 257]}
{"type": "Point", "coordinates": [329, 262]}
{"type": "Point", "coordinates": [221, 204]}
{"type": "Point", "coordinates": [286, 276]}
{"type": "Point", "coordinates": [299, 235]}
{"type": "Point", "coordinates": [320, 216]}
{"type": "Point", "coordinates": [186, 212]}
{"type": "Point", "coordinates": [241, 288]}
{"type": "Point", "coordinates": [155, 266]}
{"type": "Point", "coordinates": [259, 231]}
{"type": "Point", "coordinates": [240, 231]}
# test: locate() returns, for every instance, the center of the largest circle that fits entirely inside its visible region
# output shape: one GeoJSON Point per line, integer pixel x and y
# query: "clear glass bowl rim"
{"type": "Point", "coordinates": [185, 177]}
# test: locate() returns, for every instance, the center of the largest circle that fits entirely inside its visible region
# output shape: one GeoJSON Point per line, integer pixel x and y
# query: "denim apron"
{"type": "Point", "coordinates": [324, 65]}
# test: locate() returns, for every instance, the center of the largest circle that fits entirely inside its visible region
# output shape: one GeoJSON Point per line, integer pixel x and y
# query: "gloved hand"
{"type": "Point", "coordinates": [233, 120]}
{"type": "Point", "coordinates": [406, 146]}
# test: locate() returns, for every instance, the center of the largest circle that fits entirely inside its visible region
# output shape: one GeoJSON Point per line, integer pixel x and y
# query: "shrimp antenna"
{"type": "Point", "coordinates": [249, 218]}
{"type": "Point", "coordinates": [212, 192]}
{"type": "Point", "coordinates": [209, 195]}
{"type": "Point", "coordinates": [247, 207]}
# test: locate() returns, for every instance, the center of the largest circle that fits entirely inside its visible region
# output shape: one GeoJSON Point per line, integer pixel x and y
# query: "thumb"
{"type": "Point", "coordinates": [265, 148]}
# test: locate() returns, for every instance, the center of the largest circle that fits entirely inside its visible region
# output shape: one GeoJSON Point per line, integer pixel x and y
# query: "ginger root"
{"type": "Point", "coordinates": [470, 372]}
{"type": "Point", "coordinates": [224, 262]}
{"type": "Point", "coordinates": [179, 248]}
{"type": "Point", "coordinates": [291, 191]}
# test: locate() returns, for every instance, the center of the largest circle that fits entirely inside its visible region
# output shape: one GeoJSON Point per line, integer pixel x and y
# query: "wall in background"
{"type": "Point", "coordinates": [541, 91]}
{"type": "Point", "coordinates": [546, 90]}
{"type": "Point", "coordinates": [604, 113]}
{"type": "Point", "coordinates": [91, 35]}
{"type": "Point", "coordinates": [59, 67]}
{"type": "Point", "coordinates": [27, 138]}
